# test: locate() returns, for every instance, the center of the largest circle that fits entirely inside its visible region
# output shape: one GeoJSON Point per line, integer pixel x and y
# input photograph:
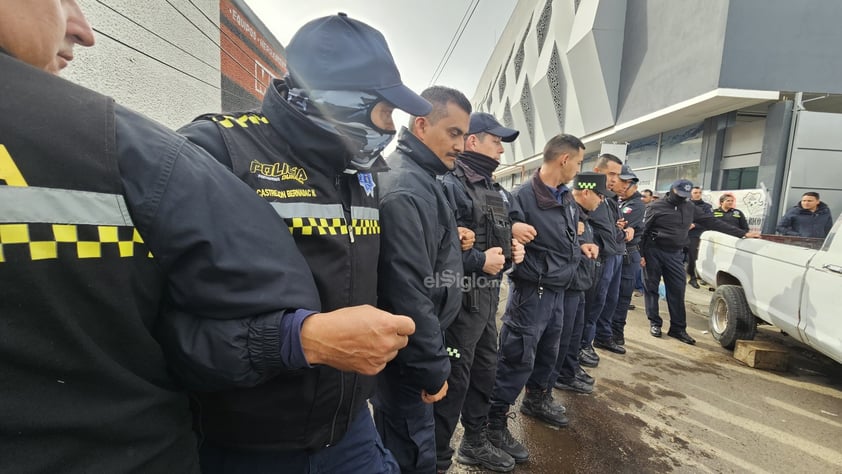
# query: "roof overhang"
{"type": "Point", "coordinates": [682, 114]}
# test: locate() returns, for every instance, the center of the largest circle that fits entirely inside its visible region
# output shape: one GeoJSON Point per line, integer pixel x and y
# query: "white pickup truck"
{"type": "Point", "coordinates": [796, 288]}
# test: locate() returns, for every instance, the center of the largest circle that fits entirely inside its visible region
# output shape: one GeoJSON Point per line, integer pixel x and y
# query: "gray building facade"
{"type": "Point", "coordinates": [731, 94]}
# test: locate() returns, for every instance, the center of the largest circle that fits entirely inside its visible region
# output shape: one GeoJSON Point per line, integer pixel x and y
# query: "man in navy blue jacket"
{"type": "Point", "coordinates": [532, 323]}
{"type": "Point", "coordinates": [808, 218]}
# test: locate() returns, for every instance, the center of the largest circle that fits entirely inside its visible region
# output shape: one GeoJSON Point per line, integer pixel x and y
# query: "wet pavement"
{"type": "Point", "coordinates": [666, 406]}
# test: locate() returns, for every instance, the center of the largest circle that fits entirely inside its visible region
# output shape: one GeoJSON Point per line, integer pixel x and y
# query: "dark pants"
{"type": "Point", "coordinates": [528, 342]}
{"type": "Point", "coordinates": [360, 450]}
{"type": "Point", "coordinates": [568, 349]}
{"type": "Point", "coordinates": [602, 301]}
{"type": "Point", "coordinates": [628, 274]}
{"type": "Point", "coordinates": [472, 342]}
{"type": "Point", "coordinates": [666, 263]}
{"type": "Point", "coordinates": [405, 422]}
{"type": "Point", "coordinates": [692, 256]}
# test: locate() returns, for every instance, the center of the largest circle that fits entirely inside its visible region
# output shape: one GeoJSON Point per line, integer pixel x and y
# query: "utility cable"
{"type": "Point", "coordinates": [455, 40]}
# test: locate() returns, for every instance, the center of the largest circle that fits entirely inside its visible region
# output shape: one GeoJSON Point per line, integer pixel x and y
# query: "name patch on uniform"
{"type": "Point", "coordinates": [367, 182]}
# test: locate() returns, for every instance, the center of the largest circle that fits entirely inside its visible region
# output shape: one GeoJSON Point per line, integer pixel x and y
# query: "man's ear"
{"type": "Point", "coordinates": [419, 126]}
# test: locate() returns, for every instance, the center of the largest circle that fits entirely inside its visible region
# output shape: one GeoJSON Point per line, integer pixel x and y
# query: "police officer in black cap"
{"type": "Point", "coordinates": [313, 151]}
{"type": "Point", "coordinates": [631, 212]}
{"type": "Point", "coordinates": [589, 190]}
{"type": "Point", "coordinates": [483, 206]}
{"type": "Point", "coordinates": [666, 224]}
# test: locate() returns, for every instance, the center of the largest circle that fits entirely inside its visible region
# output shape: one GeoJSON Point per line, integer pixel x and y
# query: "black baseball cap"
{"type": "Point", "coordinates": [339, 53]}
{"type": "Point", "coordinates": [596, 182]}
{"type": "Point", "coordinates": [626, 174]}
{"type": "Point", "coordinates": [482, 122]}
{"type": "Point", "coordinates": [682, 187]}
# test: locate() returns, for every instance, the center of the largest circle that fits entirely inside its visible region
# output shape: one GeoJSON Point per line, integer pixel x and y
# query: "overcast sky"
{"type": "Point", "coordinates": [418, 32]}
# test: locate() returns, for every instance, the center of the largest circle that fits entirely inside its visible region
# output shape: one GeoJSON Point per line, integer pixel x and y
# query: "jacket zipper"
{"type": "Point", "coordinates": [338, 409]}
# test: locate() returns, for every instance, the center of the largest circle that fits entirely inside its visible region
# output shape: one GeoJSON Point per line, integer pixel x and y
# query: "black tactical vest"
{"type": "Point", "coordinates": [83, 385]}
{"type": "Point", "coordinates": [490, 218]}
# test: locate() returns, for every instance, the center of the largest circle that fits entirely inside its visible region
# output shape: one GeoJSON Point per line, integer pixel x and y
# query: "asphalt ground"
{"type": "Point", "coordinates": [666, 406]}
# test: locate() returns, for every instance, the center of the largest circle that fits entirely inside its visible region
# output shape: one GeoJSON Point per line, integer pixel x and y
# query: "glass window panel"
{"type": "Point", "coordinates": [647, 179]}
{"type": "Point", "coordinates": [589, 162]}
{"type": "Point", "coordinates": [740, 178]}
{"type": "Point", "coordinates": [668, 174]}
{"type": "Point", "coordinates": [748, 179]}
{"type": "Point", "coordinates": [682, 145]}
{"type": "Point", "coordinates": [732, 179]}
{"type": "Point", "coordinates": [643, 153]}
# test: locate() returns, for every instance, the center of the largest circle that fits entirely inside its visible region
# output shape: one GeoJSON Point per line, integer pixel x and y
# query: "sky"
{"type": "Point", "coordinates": [418, 33]}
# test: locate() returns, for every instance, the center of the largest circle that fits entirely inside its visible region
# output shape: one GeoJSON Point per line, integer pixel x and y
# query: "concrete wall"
{"type": "Point", "coordinates": [672, 52]}
{"type": "Point", "coordinates": [181, 78]}
{"type": "Point", "coordinates": [815, 160]}
{"type": "Point", "coordinates": [783, 45]}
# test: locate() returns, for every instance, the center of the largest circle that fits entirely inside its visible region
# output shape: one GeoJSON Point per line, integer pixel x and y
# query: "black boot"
{"type": "Point", "coordinates": [693, 282]}
{"type": "Point", "coordinates": [588, 357]}
{"type": "Point", "coordinates": [499, 435]}
{"type": "Point", "coordinates": [540, 404]}
{"type": "Point", "coordinates": [584, 376]}
{"type": "Point", "coordinates": [477, 450]}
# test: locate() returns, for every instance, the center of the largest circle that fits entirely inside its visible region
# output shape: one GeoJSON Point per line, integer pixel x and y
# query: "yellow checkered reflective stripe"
{"type": "Point", "coordinates": [228, 121]}
{"type": "Point", "coordinates": [365, 226]}
{"type": "Point", "coordinates": [317, 226]}
{"type": "Point", "coordinates": [327, 219]}
{"type": "Point", "coordinates": [44, 241]}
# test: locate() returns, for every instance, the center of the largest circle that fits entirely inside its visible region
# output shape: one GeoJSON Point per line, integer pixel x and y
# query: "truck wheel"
{"type": "Point", "coordinates": [730, 317]}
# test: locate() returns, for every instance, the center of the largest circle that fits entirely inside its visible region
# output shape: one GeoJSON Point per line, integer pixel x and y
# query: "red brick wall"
{"type": "Point", "coordinates": [248, 59]}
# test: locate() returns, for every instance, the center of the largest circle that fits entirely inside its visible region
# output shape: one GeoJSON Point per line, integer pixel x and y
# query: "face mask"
{"type": "Point", "coordinates": [676, 198]}
{"type": "Point", "coordinates": [347, 114]}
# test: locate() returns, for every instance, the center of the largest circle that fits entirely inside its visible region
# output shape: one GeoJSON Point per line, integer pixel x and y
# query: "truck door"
{"type": "Point", "coordinates": [821, 320]}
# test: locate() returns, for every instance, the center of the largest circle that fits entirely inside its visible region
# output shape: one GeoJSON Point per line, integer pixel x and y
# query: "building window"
{"type": "Point", "coordinates": [589, 161]}
{"type": "Point", "coordinates": [681, 146]}
{"type": "Point", "coordinates": [668, 174]}
{"type": "Point", "coordinates": [740, 178]}
{"type": "Point", "coordinates": [643, 153]}
{"type": "Point", "coordinates": [544, 24]}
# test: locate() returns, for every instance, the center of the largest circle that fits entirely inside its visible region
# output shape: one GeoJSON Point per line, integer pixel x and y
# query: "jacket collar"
{"type": "Point", "coordinates": [305, 138]}
{"type": "Point", "coordinates": [543, 195]}
{"type": "Point", "coordinates": [418, 152]}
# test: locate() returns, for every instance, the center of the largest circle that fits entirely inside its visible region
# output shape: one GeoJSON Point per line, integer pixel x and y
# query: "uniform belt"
{"type": "Point", "coordinates": [632, 248]}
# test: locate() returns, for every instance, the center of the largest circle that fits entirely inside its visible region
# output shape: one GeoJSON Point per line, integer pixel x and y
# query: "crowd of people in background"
{"type": "Point", "coordinates": [206, 300]}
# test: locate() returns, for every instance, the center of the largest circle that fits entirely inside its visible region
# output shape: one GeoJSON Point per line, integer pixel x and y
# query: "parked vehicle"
{"type": "Point", "coordinates": [793, 283]}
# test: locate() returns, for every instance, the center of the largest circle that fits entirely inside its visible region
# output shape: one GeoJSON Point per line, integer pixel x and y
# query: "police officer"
{"type": "Point", "coordinates": [631, 213]}
{"type": "Point", "coordinates": [589, 190]}
{"type": "Point", "coordinates": [111, 227]}
{"type": "Point", "coordinates": [313, 151]}
{"type": "Point", "coordinates": [601, 301]}
{"type": "Point", "coordinates": [730, 214]}
{"type": "Point", "coordinates": [481, 205]}
{"type": "Point", "coordinates": [532, 323]}
{"type": "Point", "coordinates": [420, 273]}
{"type": "Point", "coordinates": [695, 236]}
{"type": "Point", "coordinates": [666, 224]}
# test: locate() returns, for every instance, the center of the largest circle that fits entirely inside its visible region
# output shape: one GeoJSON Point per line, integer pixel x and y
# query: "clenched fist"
{"type": "Point", "coordinates": [358, 339]}
{"type": "Point", "coordinates": [466, 238]}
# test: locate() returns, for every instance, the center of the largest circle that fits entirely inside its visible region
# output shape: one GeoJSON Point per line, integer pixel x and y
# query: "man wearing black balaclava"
{"type": "Point", "coordinates": [313, 152]}
{"type": "Point", "coordinates": [666, 223]}
{"type": "Point", "coordinates": [481, 205]}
